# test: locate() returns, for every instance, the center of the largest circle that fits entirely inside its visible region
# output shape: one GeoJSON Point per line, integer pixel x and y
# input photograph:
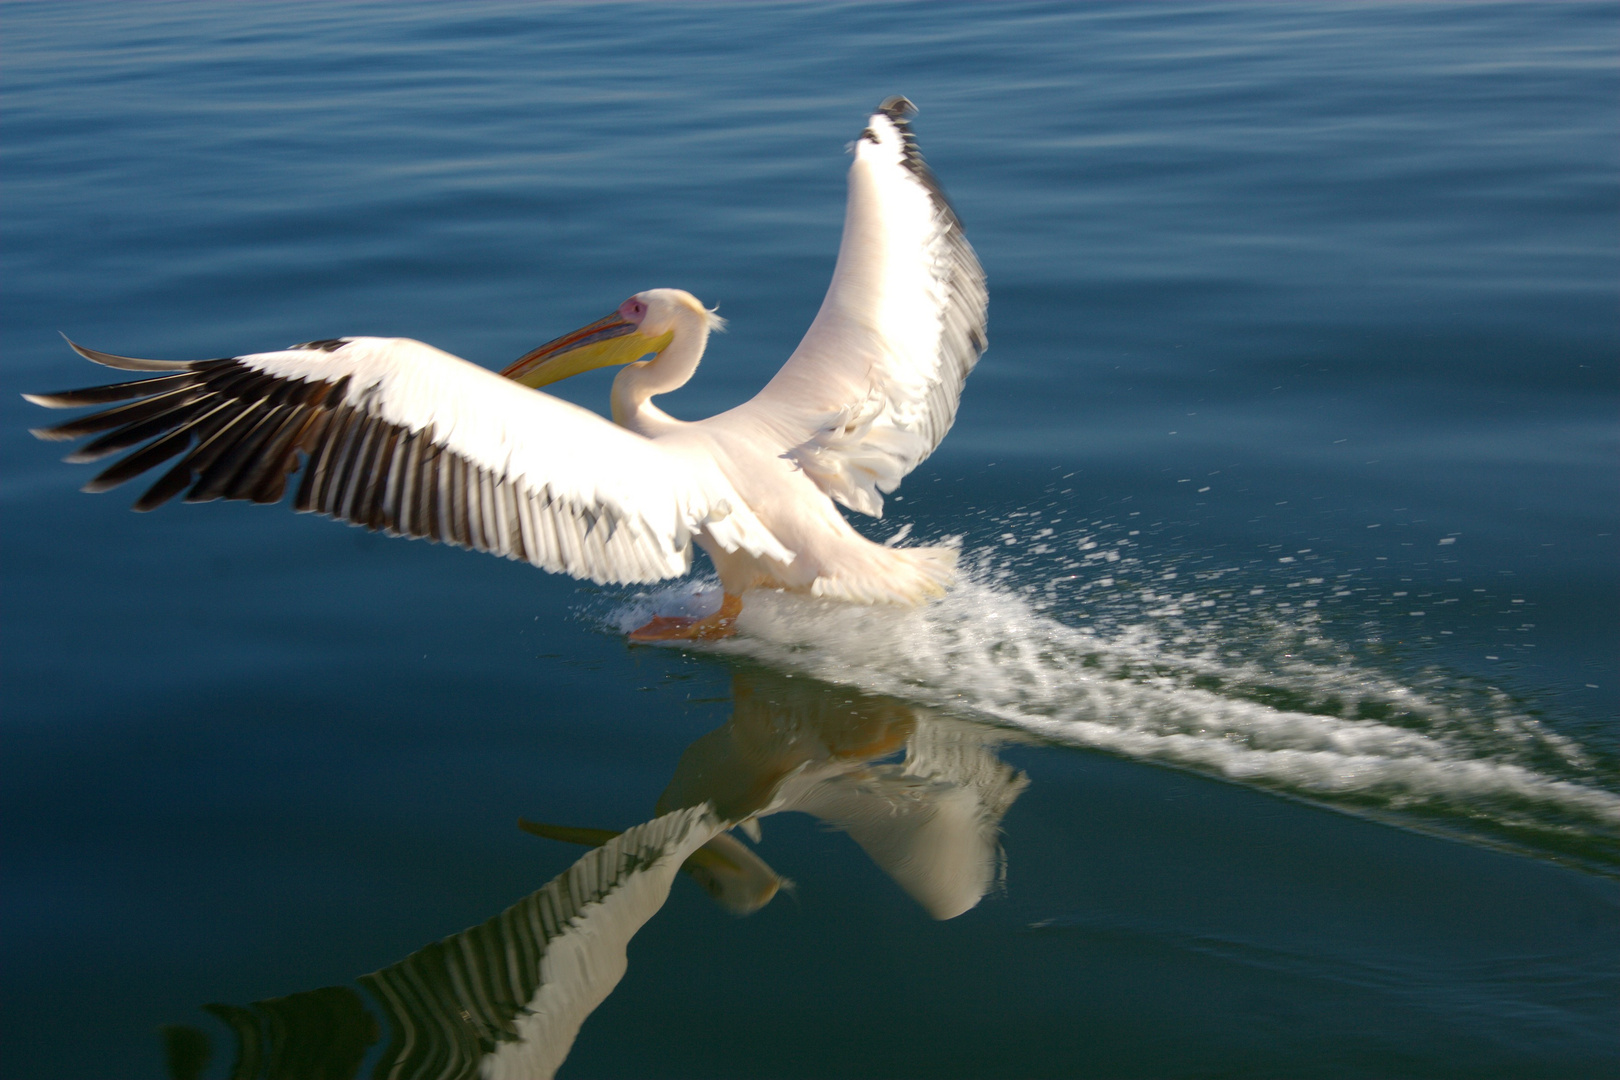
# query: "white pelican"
{"type": "Point", "coordinates": [401, 437]}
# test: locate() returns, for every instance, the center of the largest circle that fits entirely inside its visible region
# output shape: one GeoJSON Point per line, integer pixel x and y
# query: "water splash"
{"type": "Point", "coordinates": [1190, 667]}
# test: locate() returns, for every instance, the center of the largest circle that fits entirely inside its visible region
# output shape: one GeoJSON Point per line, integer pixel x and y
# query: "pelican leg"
{"type": "Point", "coordinates": [722, 624]}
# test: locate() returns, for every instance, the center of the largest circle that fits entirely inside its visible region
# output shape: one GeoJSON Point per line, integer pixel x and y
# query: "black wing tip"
{"type": "Point", "coordinates": [898, 108]}
{"type": "Point", "coordinates": [129, 363]}
{"type": "Point", "coordinates": [46, 434]}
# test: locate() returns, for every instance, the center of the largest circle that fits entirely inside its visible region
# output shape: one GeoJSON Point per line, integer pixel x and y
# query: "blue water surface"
{"type": "Point", "coordinates": [1287, 494]}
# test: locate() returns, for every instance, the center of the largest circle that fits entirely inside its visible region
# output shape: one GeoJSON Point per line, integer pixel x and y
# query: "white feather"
{"type": "Point", "coordinates": [422, 443]}
{"type": "Point", "coordinates": [873, 387]}
{"type": "Point", "coordinates": [542, 444]}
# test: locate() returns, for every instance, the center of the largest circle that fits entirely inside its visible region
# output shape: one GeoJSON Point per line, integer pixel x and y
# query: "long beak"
{"type": "Point", "coordinates": [567, 833]}
{"type": "Point", "coordinates": [605, 342]}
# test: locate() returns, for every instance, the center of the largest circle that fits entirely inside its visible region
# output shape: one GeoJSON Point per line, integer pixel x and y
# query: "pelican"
{"type": "Point", "coordinates": [395, 435]}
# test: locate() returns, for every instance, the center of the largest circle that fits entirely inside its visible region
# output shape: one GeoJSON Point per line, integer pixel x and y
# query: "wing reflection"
{"type": "Point", "coordinates": [510, 994]}
{"type": "Point", "coordinates": [734, 876]}
{"type": "Point", "coordinates": [922, 795]}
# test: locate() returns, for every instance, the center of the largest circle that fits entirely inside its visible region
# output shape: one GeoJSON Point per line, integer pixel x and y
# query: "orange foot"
{"type": "Point", "coordinates": [722, 624]}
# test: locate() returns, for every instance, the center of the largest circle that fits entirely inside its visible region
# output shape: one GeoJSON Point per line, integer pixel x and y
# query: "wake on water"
{"type": "Point", "coordinates": [1188, 669]}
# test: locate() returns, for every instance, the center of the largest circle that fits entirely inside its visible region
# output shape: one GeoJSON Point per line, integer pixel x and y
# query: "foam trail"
{"type": "Point", "coordinates": [1138, 691]}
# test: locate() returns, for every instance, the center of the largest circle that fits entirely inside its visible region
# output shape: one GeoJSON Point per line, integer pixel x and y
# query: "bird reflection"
{"type": "Point", "coordinates": [930, 820]}
{"type": "Point", "coordinates": [922, 795]}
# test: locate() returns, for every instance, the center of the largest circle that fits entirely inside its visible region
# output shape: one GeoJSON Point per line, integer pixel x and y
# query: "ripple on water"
{"type": "Point", "coordinates": [1262, 696]}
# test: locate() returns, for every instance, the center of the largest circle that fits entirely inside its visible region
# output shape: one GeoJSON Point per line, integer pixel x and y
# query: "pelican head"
{"type": "Point", "coordinates": [736, 878]}
{"type": "Point", "coordinates": [647, 323]}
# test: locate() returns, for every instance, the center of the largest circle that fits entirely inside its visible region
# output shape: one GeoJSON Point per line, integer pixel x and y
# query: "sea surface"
{"type": "Point", "coordinates": [1271, 730]}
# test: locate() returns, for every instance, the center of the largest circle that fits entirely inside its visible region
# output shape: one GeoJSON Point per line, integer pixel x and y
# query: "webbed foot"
{"type": "Point", "coordinates": [722, 624]}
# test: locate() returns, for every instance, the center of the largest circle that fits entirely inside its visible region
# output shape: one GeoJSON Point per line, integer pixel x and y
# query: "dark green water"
{"type": "Point", "coordinates": [1283, 674]}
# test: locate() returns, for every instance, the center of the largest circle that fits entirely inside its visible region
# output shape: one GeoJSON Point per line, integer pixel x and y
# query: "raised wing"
{"type": "Point", "coordinates": [403, 438]}
{"type": "Point", "coordinates": [873, 387]}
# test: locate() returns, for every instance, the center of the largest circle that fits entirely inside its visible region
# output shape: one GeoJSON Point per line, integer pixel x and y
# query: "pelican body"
{"type": "Point", "coordinates": [397, 436]}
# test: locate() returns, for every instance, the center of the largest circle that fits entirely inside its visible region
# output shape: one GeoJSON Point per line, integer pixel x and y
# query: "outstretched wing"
{"type": "Point", "coordinates": [398, 436]}
{"type": "Point", "coordinates": [873, 387]}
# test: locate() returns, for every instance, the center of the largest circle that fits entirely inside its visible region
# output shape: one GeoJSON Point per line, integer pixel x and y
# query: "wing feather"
{"type": "Point", "coordinates": [874, 386]}
{"type": "Point", "coordinates": [399, 437]}
{"type": "Point", "coordinates": [506, 998]}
